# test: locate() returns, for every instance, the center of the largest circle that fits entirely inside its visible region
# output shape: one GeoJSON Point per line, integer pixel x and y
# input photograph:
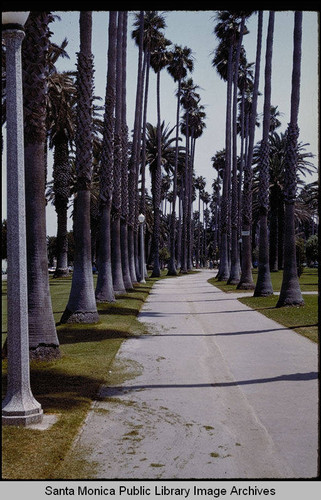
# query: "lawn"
{"type": "Point", "coordinates": [303, 319]}
{"type": "Point", "coordinates": [68, 386]}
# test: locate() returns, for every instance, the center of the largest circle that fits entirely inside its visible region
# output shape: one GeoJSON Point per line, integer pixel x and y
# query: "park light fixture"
{"type": "Point", "coordinates": [19, 407]}
{"type": "Point", "coordinates": [141, 220]}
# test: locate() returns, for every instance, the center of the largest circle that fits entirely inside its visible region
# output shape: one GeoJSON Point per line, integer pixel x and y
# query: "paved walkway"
{"type": "Point", "coordinates": [216, 390]}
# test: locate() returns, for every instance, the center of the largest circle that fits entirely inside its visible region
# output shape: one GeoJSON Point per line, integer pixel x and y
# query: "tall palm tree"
{"type": "Point", "coordinates": [234, 277]}
{"type": "Point", "coordinates": [263, 286]}
{"type": "Point", "coordinates": [43, 340]}
{"type": "Point", "coordinates": [206, 198]}
{"type": "Point", "coordinates": [62, 98]}
{"type": "Point", "coordinates": [81, 307]}
{"type": "Point", "coordinates": [159, 60]}
{"type": "Point", "coordinates": [226, 31]}
{"type": "Point", "coordinates": [181, 62]}
{"type": "Point", "coordinates": [290, 293]}
{"type": "Point", "coordinates": [118, 280]}
{"type": "Point", "coordinates": [134, 159]}
{"type": "Point", "coordinates": [200, 183]}
{"type": "Point", "coordinates": [246, 280]}
{"type": "Point", "coordinates": [104, 288]}
{"type": "Point", "coordinates": [124, 167]}
{"type": "Point", "coordinates": [189, 100]}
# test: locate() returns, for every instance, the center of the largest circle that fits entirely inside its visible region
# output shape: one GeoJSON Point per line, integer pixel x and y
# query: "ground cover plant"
{"type": "Point", "coordinates": [302, 319]}
{"type": "Point", "coordinates": [67, 387]}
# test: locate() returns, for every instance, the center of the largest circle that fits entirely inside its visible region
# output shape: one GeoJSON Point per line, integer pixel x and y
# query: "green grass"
{"type": "Point", "coordinates": [68, 386]}
{"type": "Point", "coordinates": [303, 319]}
{"type": "Point", "coordinates": [308, 281]}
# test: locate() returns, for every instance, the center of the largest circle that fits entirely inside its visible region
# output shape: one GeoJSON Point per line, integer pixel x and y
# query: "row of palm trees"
{"type": "Point", "coordinates": [236, 204]}
{"type": "Point", "coordinates": [60, 113]}
{"type": "Point", "coordinates": [105, 171]}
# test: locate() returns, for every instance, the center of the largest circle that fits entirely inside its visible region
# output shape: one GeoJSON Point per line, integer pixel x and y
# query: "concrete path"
{"type": "Point", "coordinates": [216, 391]}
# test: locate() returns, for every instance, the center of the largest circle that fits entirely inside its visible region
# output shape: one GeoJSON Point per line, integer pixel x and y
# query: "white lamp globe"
{"type": "Point", "coordinates": [18, 17]}
{"type": "Point", "coordinates": [141, 218]}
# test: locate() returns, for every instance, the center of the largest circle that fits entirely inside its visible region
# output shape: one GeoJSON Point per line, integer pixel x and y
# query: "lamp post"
{"type": "Point", "coordinates": [19, 406]}
{"type": "Point", "coordinates": [141, 220]}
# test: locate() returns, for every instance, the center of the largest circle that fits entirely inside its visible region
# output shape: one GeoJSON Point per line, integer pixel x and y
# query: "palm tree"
{"type": "Point", "coordinates": [167, 153]}
{"type": "Point", "coordinates": [200, 183]}
{"type": "Point", "coordinates": [133, 163]}
{"type": "Point", "coordinates": [43, 340]}
{"type": "Point", "coordinates": [290, 293]}
{"type": "Point", "coordinates": [263, 286]}
{"type": "Point", "coordinates": [159, 60]}
{"type": "Point", "coordinates": [104, 288]}
{"type": "Point", "coordinates": [234, 277]}
{"type": "Point", "coordinates": [189, 100]}
{"type": "Point", "coordinates": [180, 63]}
{"type": "Point", "coordinates": [226, 32]}
{"type": "Point", "coordinates": [118, 280]}
{"type": "Point", "coordinates": [124, 167]}
{"type": "Point", "coordinates": [61, 92]}
{"type": "Point", "coordinates": [206, 198]}
{"type": "Point", "coordinates": [246, 279]}
{"type": "Point", "coordinates": [81, 307]}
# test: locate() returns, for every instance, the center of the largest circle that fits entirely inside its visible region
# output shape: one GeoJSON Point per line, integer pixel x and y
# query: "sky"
{"type": "Point", "coordinates": [195, 29]}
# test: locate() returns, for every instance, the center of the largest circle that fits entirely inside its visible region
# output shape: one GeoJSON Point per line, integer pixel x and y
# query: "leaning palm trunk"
{"type": "Point", "coordinates": [246, 279]}
{"type": "Point", "coordinates": [104, 288]}
{"type": "Point", "coordinates": [264, 285]}
{"type": "Point", "coordinates": [290, 290]}
{"type": "Point", "coordinates": [81, 307]}
{"type": "Point", "coordinates": [43, 340]}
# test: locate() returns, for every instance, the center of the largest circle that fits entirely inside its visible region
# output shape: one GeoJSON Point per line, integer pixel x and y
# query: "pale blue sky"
{"type": "Point", "coordinates": [194, 29]}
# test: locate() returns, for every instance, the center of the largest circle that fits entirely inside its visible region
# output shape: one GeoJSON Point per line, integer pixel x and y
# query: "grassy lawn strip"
{"type": "Point", "coordinates": [303, 320]}
{"type": "Point", "coordinates": [68, 386]}
{"type": "Point", "coordinates": [308, 281]}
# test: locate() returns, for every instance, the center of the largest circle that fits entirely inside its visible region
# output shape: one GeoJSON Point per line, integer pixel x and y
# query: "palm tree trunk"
{"type": "Point", "coordinates": [157, 188]}
{"type": "Point", "coordinates": [43, 340]}
{"type": "Point", "coordinates": [81, 307]}
{"type": "Point", "coordinates": [246, 280]}
{"type": "Point", "coordinates": [134, 162]}
{"type": "Point", "coordinates": [185, 202]}
{"type": "Point", "coordinates": [198, 232]}
{"type": "Point", "coordinates": [172, 271]}
{"type": "Point", "coordinates": [104, 288]}
{"type": "Point", "coordinates": [264, 285]}
{"type": "Point", "coordinates": [224, 272]}
{"type": "Point", "coordinates": [124, 169]}
{"type": "Point", "coordinates": [61, 176]}
{"type": "Point", "coordinates": [290, 293]}
{"type": "Point", "coordinates": [235, 257]}
{"type": "Point", "coordinates": [118, 281]}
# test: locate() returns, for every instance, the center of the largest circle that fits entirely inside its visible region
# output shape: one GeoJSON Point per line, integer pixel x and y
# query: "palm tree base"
{"type": "Point", "coordinates": [262, 293]}
{"type": "Point", "coordinates": [79, 317]}
{"type": "Point", "coordinates": [172, 272]}
{"type": "Point", "coordinates": [233, 281]}
{"type": "Point", "coordinates": [61, 273]}
{"type": "Point", "coordinates": [288, 302]}
{"type": "Point", "coordinates": [246, 286]}
{"type": "Point", "coordinates": [45, 352]}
